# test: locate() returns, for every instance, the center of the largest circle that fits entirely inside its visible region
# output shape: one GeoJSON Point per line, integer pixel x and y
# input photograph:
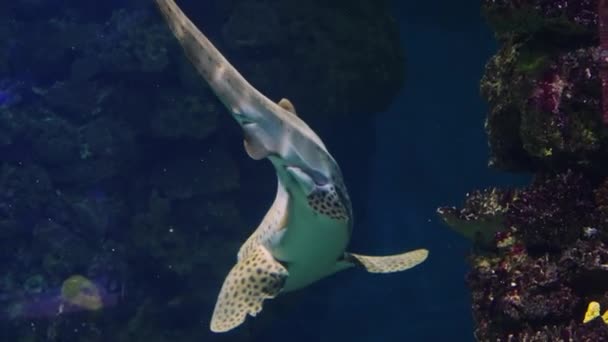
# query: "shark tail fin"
{"type": "Point", "coordinates": [388, 263]}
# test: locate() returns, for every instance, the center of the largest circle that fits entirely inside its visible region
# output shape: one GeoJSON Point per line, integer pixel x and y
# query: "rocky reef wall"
{"type": "Point", "coordinates": [538, 265]}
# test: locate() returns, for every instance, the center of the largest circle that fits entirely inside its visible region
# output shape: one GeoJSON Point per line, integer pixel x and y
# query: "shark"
{"type": "Point", "coordinates": [304, 235]}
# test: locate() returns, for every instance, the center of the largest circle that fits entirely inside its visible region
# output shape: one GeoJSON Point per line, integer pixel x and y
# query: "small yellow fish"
{"type": "Point", "coordinates": [593, 312]}
{"type": "Point", "coordinates": [81, 292]}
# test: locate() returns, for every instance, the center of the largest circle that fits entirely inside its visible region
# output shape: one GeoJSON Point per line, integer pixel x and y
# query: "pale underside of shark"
{"type": "Point", "coordinates": [304, 235]}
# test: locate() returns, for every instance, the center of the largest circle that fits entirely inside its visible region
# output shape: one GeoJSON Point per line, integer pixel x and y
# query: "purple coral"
{"type": "Point", "coordinates": [603, 55]}
{"type": "Point", "coordinates": [547, 94]}
{"type": "Point", "coordinates": [519, 297]}
{"type": "Point", "coordinates": [540, 292]}
{"type": "Point", "coordinates": [552, 212]}
{"type": "Point", "coordinates": [552, 254]}
{"type": "Point", "coordinates": [581, 12]}
{"type": "Point", "coordinates": [549, 73]}
{"type": "Point", "coordinates": [565, 98]}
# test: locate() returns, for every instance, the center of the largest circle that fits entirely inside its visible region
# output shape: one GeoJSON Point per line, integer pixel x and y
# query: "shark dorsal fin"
{"type": "Point", "coordinates": [287, 105]}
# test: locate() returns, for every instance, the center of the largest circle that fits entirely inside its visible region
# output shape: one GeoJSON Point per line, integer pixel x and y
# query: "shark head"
{"type": "Point", "coordinates": [274, 131]}
{"type": "Point", "coordinates": [271, 130]}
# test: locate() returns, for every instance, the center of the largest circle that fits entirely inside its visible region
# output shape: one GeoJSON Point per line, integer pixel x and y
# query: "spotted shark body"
{"type": "Point", "coordinates": [304, 235]}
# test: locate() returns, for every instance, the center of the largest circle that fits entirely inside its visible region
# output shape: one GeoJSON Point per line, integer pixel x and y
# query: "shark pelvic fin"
{"type": "Point", "coordinates": [287, 105]}
{"type": "Point", "coordinates": [384, 264]}
{"type": "Point", "coordinates": [252, 280]}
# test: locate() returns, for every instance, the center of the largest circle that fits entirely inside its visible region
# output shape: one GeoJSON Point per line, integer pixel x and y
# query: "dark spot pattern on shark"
{"type": "Point", "coordinates": [328, 202]}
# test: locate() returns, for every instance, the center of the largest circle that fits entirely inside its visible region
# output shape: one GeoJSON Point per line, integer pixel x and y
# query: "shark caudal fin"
{"type": "Point", "coordinates": [385, 264]}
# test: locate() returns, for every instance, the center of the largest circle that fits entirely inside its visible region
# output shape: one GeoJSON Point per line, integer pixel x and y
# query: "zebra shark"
{"type": "Point", "coordinates": [304, 235]}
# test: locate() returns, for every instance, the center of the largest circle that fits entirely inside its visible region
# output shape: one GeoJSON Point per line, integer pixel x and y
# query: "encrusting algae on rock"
{"type": "Point", "coordinates": [540, 269]}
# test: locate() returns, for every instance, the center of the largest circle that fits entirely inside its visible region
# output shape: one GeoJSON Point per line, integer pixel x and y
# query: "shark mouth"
{"type": "Point", "coordinates": [312, 175]}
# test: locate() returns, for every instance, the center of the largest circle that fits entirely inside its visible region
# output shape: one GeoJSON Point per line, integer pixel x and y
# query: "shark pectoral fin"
{"type": "Point", "coordinates": [254, 151]}
{"type": "Point", "coordinates": [252, 280]}
{"type": "Point", "coordinates": [385, 264]}
{"type": "Point", "coordinates": [287, 105]}
{"type": "Point", "coordinates": [254, 147]}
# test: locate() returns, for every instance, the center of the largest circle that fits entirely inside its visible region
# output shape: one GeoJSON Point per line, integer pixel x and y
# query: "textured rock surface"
{"type": "Point", "coordinates": [543, 85]}
{"type": "Point", "coordinates": [545, 261]}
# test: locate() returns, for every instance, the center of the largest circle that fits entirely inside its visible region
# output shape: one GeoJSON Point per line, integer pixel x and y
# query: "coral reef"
{"type": "Point", "coordinates": [552, 212]}
{"type": "Point", "coordinates": [481, 217]}
{"type": "Point", "coordinates": [545, 262]}
{"type": "Point", "coordinates": [541, 273]}
{"type": "Point", "coordinates": [543, 85]}
{"type": "Point", "coordinates": [120, 166]}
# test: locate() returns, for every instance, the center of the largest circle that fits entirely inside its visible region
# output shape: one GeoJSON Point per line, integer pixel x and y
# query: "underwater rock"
{"type": "Point", "coordinates": [14, 125]}
{"type": "Point", "coordinates": [350, 50]}
{"type": "Point", "coordinates": [180, 247]}
{"type": "Point", "coordinates": [562, 117]}
{"type": "Point", "coordinates": [84, 69]}
{"type": "Point", "coordinates": [212, 216]}
{"type": "Point", "coordinates": [46, 48]}
{"type": "Point", "coordinates": [55, 141]}
{"type": "Point", "coordinates": [601, 202]}
{"type": "Point", "coordinates": [543, 85]}
{"type": "Point", "coordinates": [60, 97]}
{"type": "Point", "coordinates": [97, 214]}
{"type": "Point", "coordinates": [109, 263]}
{"type": "Point", "coordinates": [567, 18]}
{"type": "Point", "coordinates": [185, 116]}
{"type": "Point", "coordinates": [517, 296]}
{"type": "Point", "coordinates": [34, 284]}
{"type": "Point", "coordinates": [500, 87]}
{"type": "Point", "coordinates": [552, 212]}
{"type": "Point", "coordinates": [59, 249]}
{"type": "Point", "coordinates": [25, 193]}
{"type": "Point", "coordinates": [106, 148]}
{"type": "Point", "coordinates": [253, 24]}
{"type": "Point", "coordinates": [213, 171]}
{"type": "Point", "coordinates": [481, 217]}
{"type": "Point", "coordinates": [131, 42]}
{"type": "Point", "coordinates": [546, 263]}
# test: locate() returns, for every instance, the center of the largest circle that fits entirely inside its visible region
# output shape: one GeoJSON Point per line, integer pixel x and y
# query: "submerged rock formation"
{"type": "Point", "coordinates": [546, 259]}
